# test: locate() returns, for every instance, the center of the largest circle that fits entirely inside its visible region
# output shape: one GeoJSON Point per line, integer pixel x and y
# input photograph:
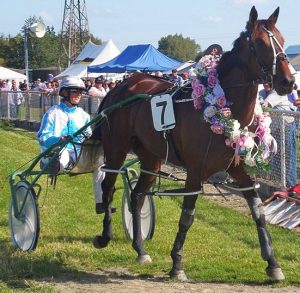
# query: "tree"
{"type": "Point", "coordinates": [14, 52]}
{"type": "Point", "coordinates": [95, 40]}
{"type": "Point", "coordinates": [178, 47]}
{"type": "Point", "coordinates": [43, 52]}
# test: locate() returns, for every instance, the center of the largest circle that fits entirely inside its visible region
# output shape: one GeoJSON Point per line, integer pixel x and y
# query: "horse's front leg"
{"type": "Point", "coordinates": [185, 222]}
{"type": "Point", "coordinates": [254, 202]}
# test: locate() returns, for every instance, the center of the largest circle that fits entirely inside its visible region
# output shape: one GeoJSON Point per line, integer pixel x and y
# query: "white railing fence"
{"type": "Point", "coordinates": [30, 106]}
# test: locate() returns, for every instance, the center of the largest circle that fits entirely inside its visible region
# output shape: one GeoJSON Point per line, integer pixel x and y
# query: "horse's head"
{"type": "Point", "coordinates": [265, 44]}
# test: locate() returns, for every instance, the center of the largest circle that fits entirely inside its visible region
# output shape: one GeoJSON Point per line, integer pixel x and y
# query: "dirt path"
{"type": "Point", "coordinates": [122, 281]}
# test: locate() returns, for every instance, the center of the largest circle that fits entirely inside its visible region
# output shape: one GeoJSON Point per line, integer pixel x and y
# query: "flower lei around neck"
{"type": "Point", "coordinates": [208, 95]}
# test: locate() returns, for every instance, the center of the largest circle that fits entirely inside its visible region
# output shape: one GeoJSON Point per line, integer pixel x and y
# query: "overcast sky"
{"type": "Point", "coordinates": [131, 22]}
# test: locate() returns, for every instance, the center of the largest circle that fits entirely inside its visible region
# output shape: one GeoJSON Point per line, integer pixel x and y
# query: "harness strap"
{"type": "Point", "coordinates": [254, 187]}
{"type": "Point", "coordinates": [183, 100]}
{"type": "Point", "coordinates": [162, 174]}
{"type": "Point", "coordinates": [113, 170]}
{"type": "Point", "coordinates": [272, 39]}
{"type": "Point", "coordinates": [178, 192]}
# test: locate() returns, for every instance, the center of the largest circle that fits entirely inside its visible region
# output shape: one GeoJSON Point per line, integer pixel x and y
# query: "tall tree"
{"type": "Point", "coordinates": [178, 47]}
{"type": "Point", "coordinates": [14, 52]}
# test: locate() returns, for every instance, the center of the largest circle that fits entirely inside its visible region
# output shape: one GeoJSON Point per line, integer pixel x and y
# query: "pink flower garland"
{"type": "Point", "coordinates": [209, 96]}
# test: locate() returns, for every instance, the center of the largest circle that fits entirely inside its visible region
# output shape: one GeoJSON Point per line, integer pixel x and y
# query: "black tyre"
{"type": "Point", "coordinates": [147, 216]}
{"type": "Point", "coordinates": [25, 228]}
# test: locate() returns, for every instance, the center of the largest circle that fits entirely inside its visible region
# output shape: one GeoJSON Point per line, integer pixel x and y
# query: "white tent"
{"type": "Point", "coordinates": [183, 67]}
{"type": "Point", "coordinates": [91, 54]}
{"type": "Point", "coordinates": [6, 73]}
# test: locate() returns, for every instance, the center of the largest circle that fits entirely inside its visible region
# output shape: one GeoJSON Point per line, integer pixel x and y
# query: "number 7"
{"type": "Point", "coordinates": [162, 116]}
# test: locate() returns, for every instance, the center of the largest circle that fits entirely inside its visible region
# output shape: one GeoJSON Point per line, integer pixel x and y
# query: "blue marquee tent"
{"type": "Point", "coordinates": [137, 57]}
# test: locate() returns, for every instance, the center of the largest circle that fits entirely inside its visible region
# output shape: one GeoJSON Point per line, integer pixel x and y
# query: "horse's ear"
{"type": "Point", "coordinates": [274, 16]}
{"type": "Point", "coordinates": [253, 16]}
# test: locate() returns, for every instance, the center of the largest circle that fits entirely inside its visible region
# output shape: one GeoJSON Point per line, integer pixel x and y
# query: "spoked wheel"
{"type": "Point", "coordinates": [147, 216]}
{"type": "Point", "coordinates": [25, 228]}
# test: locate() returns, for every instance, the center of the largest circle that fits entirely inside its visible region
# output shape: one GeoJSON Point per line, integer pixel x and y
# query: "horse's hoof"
{"type": "Point", "coordinates": [146, 258]}
{"type": "Point", "coordinates": [178, 275]}
{"type": "Point", "coordinates": [275, 274]}
{"type": "Point", "coordinates": [100, 242]}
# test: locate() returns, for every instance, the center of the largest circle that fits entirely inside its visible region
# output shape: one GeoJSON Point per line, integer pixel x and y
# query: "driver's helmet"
{"type": "Point", "coordinates": [72, 82]}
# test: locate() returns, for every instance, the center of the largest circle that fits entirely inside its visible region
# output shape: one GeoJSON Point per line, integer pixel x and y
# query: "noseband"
{"type": "Point", "coordinates": [269, 71]}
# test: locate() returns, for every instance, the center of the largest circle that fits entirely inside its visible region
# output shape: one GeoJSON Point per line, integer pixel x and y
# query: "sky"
{"type": "Point", "coordinates": [132, 22]}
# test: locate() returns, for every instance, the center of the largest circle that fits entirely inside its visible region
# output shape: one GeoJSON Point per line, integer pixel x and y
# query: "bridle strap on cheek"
{"type": "Point", "coordinates": [275, 55]}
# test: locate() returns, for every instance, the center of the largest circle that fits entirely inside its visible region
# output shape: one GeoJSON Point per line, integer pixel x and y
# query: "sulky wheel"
{"type": "Point", "coordinates": [147, 215]}
{"type": "Point", "coordinates": [25, 227]}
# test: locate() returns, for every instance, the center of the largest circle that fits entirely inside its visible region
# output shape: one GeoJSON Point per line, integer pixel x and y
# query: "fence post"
{"type": "Point", "coordinates": [27, 107]}
{"type": "Point", "coordinates": [8, 107]}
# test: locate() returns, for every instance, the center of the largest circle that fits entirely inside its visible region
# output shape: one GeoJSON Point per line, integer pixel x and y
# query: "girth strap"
{"type": "Point", "coordinates": [170, 140]}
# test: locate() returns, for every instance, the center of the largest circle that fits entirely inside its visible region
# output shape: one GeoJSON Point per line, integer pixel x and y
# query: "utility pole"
{"type": "Point", "coordinates": [74, 32]}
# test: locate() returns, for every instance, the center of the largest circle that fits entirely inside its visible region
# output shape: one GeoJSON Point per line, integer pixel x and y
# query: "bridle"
{"type": "Point", "coordinates": [269, 71]}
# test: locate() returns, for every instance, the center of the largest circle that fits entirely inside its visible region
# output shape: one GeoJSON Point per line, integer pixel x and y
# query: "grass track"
{"type": "Point", "coordinates": [221, 246]}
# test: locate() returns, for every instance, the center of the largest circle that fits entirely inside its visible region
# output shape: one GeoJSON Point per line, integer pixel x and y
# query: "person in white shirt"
{"type": "Point", "coordinates": [38, 85]}
{"type": "Point", "coordinates": [15, 99]}
{"type": "Point", "coordinates": [97, 90]}
{"type": "Point", "coordinates": [64, 120]}
{"type": "Point", "coordinates": [175, 78]}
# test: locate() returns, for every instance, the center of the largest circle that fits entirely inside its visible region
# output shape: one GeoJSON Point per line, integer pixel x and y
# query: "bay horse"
{"type": "Point", "coordinates": [256, 56]}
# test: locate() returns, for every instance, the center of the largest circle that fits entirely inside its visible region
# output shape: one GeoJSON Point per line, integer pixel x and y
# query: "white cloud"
{"type": "Point", "coordinates": [211, 18]}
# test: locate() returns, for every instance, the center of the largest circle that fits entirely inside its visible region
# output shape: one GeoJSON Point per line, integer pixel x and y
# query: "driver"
{"type": "Point", "coordinates": [63, 120]}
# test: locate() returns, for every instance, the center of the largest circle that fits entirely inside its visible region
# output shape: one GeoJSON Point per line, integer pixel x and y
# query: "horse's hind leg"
{"type": "Point", "coordinates": [113, 163]}
{"type": "Point", "coordinates": [193, 183]}
{"type": "Point", "coordinates": [145, 181]}
{"type": "Point", "coordinates": [255, 204]}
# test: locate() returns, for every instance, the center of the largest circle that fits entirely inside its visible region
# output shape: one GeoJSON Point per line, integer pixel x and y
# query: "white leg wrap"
{"type": "Point", "coordinates": [98, 177]}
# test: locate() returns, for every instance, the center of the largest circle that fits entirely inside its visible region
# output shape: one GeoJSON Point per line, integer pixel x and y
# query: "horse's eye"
{"type": "Point", "coordinates": [259, 42]}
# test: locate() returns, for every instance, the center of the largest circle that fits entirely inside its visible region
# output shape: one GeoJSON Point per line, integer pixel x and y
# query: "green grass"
{"type": "Point", "coordinates": [221, 246]}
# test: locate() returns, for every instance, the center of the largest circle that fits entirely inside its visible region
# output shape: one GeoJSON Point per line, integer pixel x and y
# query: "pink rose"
{"type": "Point", "coordinates": [221, 101]}
{"type": "Point", "coordinates": [199, 90]}
{"type": "Point", "coordinates": [212, 71]}
{"type": "Point", "coordinates": [212, 80]}
{"type": "Point", "coordinates": [197, 103]}
{"type": "Point", "coordinates": [195, 82]}
{"type": "Point", "coordinates": [194, 96]}
{"type": "Point", "coordinates": [226, 112]}
{"type": "Point", "coordinates": [217, 128]}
